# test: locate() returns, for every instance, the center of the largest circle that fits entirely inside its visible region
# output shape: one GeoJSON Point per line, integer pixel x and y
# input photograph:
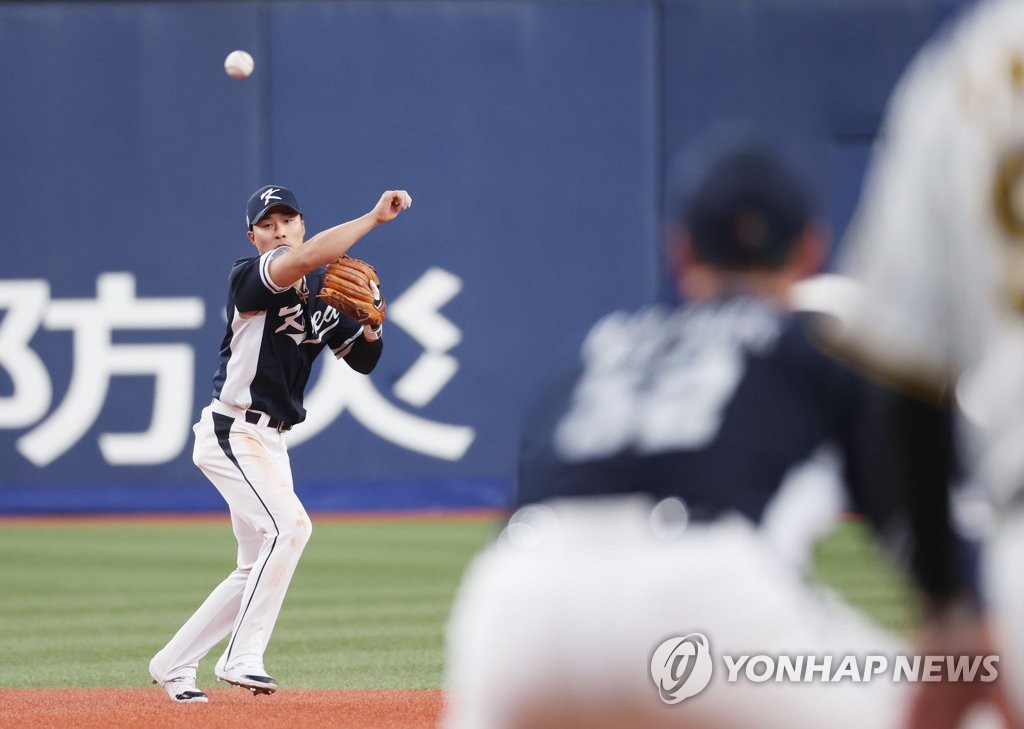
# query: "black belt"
{"type": "Point", "coordinates": [252, 416]}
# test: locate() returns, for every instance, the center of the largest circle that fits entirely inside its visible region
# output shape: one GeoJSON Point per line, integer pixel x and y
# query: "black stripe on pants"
{"type": "Point", "coordinates": [222, 427]}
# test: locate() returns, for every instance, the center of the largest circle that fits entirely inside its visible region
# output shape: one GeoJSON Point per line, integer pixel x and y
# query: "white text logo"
{"type": "Point", "coordinates": [681, 667]}
{"type": "Point", "coordinates": [860, 669]}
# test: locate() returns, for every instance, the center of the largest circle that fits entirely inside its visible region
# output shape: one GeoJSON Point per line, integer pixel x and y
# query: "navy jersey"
{"type": "Point", "coordinates": [274, 335]}
{"type": "Point", "coordinates": [714, 403]}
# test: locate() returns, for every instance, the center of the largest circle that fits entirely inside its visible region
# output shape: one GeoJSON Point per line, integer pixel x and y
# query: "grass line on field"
{"type": "Point", "coordinates": [88, 603]}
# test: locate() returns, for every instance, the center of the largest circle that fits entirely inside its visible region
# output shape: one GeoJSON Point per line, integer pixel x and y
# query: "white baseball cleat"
{"type": "Point", "coordinates": [253, 678]}
{"type": "Point", "coordinates": [183, 691]}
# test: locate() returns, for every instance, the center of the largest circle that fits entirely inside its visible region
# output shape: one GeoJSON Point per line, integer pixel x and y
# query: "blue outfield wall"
{"type": "Point", "coordinates": [532, 135]}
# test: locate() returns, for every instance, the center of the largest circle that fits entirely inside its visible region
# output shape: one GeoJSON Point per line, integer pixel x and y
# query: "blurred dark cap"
{"type": "Point", "coordinates": [746, 208]}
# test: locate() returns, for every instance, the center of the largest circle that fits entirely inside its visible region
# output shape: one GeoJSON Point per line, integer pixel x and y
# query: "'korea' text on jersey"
{"type": "Point", "coordinates": [273, 337]}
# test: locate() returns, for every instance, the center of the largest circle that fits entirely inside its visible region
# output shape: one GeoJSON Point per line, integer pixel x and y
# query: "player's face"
{"type": "Point", "coordinates": [277, 228]}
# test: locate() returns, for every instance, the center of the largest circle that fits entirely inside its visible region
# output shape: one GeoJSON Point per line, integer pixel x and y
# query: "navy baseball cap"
{"type": "Point", "coordinates": [747, 208]}
{"type": "Point", "coordinates": [267, 197]}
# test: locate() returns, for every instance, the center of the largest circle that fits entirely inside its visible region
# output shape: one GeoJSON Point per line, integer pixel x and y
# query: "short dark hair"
{"type": "Point", "coordinates": [745, 207]}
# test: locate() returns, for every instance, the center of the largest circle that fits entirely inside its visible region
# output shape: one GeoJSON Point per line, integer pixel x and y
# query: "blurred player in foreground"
{"type": "Point", "coordinates": [938, 245]}
{"type": "Point", "coordinates": [277, 326]}
{"type": "Point", "coordinates": [675, 483]}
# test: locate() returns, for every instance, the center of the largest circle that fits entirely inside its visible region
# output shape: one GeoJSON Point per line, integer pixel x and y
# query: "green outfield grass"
{"type": "Point", "coordinates": [87, 604]}
{"type": "Point", "coordinates": [851, 562]}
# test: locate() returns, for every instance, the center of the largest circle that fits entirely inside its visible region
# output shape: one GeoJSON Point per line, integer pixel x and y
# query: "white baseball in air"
{"type": "Point", "coordinates": [238, 64]}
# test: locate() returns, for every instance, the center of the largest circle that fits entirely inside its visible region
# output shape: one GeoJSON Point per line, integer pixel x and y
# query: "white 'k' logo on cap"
{"type": "Point", "coordinates": [269, 194]}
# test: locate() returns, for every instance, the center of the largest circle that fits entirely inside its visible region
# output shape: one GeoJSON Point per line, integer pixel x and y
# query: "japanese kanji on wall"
{"type": "Point", "coordinates": [28, 306]}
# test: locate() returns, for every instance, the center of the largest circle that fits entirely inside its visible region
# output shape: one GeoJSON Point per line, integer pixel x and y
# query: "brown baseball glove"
{"type": "Point", "coordinates": [351, 286]}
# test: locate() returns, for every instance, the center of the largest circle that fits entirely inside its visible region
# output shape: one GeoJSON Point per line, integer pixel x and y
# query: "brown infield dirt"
{"type": "Point", "coordinates": [150, 708]}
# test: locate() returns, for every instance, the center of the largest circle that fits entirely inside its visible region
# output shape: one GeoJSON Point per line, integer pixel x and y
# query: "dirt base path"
{"type": "Point", "coordinates": [229, 708]}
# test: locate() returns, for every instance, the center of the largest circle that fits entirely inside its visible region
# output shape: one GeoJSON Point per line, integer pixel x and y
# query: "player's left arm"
{"type": "Point", "coordinates": [901, 469]}
{"type": "Point", "coordinates": [953, 621]}
{"type": "Point", "coordinates": [364, 355]}
{"type": "Point", "coordinates": [360, 347]}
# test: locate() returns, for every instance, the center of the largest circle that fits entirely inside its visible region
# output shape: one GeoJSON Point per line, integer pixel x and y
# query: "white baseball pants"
{"type": "Point", "coordinates": [248, 463]}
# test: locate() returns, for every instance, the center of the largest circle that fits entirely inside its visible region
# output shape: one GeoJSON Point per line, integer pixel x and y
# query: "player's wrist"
{"type": "Point", "coordinates": [372, 333]}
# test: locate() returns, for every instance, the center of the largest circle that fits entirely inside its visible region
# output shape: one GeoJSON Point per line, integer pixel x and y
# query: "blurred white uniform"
{"type": "Point", "coordinates": [938, 244]}
{"type": "Point", "coordinates": [555, 624]}
{"type": "Point", "coordinates": [724, 406]}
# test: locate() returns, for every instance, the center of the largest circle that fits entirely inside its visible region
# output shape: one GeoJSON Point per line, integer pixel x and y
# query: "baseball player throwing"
{"type": "Point", "coordinates": [276, 328]}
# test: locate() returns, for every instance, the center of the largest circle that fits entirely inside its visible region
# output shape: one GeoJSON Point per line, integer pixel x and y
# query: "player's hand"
{"type": "Point", "coordinates": [391, 204]}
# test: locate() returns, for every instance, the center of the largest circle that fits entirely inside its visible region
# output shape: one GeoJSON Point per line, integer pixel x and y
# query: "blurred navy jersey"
{"type": "Point", "coordinates": [715, 403]}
